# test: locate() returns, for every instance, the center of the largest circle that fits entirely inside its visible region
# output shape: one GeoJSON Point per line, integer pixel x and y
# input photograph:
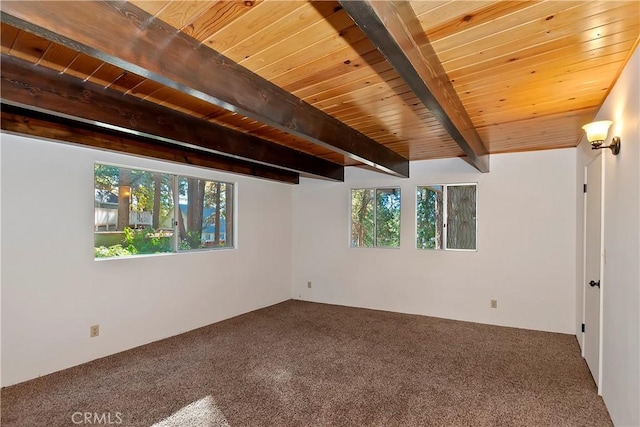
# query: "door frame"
{"type": "Point", "coordinates": [603, 257]}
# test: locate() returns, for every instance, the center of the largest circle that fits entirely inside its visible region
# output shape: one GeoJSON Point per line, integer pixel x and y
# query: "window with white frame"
{"type": "Point", "coordinates": [141, 212]}
{"type": "Point", "coordinates": [446, 216]}
{"type": "Point", "coordinates": [375, 217]}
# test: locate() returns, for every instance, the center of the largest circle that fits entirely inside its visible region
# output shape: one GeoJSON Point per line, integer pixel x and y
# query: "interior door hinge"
{"type": "Point", "coordinates": [583, 327]}
{"type": "Point", "coordinates": [584, 188]}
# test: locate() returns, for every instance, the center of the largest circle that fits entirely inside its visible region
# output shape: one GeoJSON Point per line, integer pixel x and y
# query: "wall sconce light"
{"type": "Point", "coordinates": [125, 191]}
{"type": "Point", "coordinates": [597, 133]}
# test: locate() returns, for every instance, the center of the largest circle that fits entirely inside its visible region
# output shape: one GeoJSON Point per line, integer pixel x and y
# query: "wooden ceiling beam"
{"type": "Point", "coordinates": [23, 121]}
{"type": "Point", "coordinates": [396, 32]}
{"type": "Point", "coordinates": [32, 86]}
{"type": "Point", "coordinates": [141, 44]}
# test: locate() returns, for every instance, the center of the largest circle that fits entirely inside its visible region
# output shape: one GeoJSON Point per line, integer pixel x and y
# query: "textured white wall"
{"type": "Point", "coordinates": [1, 266]}
{"type": "Point", "coordinates": [53, 289]}
{"type": "Point", "coordinates": [621, 275]}
{"type": "Point", "coordinates": [526, 245]}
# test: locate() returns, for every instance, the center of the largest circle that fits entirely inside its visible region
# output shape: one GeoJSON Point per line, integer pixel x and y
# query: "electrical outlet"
{"type": "Point", "coordinates": [94, 331]}
{"type": "Point", "coordinates": [494, 303]}
{"type": "Point", "coordinates": [309, 285]}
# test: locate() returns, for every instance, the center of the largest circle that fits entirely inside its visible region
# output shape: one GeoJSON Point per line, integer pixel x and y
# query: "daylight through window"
{"type": "Point", "coordinates": [446, 217]}
{"type": "Point", "coordinates": [142, 212]}
{"type": "Point", "coordinates": [375, 217]}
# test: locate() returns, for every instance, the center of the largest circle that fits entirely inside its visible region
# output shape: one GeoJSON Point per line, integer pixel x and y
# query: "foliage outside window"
{"type": "Point", "coordinates": [142, 212]}
{"type": "Point", "coordinates": [375, 217]}
{"type": "Point", "coordinates": [446, 217]}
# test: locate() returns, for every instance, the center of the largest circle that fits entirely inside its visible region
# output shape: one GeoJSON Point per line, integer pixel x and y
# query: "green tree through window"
{"type": "Point", "coordinates": [144, 212]}
{"type": "Point", "coordinates": [446, 217]}
{"type": "Point", "coordinates": [429, 217]}
{"type": "Point", "coordinates": [375, 217]}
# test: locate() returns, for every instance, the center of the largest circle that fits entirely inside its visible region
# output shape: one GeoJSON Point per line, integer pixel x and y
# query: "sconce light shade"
{"type": "Point", "coordinates": [125, 191]}
{"type": "Point", "coordinates": [597, 133]}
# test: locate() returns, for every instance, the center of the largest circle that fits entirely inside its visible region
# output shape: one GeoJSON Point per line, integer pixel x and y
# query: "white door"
{"type": "Point", "coordinates": [593, 259]}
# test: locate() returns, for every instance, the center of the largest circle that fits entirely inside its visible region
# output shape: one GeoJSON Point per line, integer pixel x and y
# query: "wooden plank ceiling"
{"type": "Point", "coordinates": [526, 74]}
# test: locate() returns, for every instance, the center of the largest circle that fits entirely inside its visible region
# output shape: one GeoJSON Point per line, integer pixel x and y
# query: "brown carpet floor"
{"type": "Point", "coordinates": [307, 364]}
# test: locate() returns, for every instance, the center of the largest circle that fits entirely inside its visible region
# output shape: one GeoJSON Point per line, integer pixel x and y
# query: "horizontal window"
{"type": "Point", "coordinates": [446, 217]}
{"type": "Point", "coordinates": [375, 217]}
{"type": "Point", "coordinates": [141, 212]}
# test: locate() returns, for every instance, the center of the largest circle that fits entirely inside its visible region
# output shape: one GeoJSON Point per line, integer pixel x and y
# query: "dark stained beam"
{"type": "Point", "coordinates": [395, 30]}
{"type": "Point", "coordinates": [23, 121]}
{"type": "Point", "coordinates": [32, 86]}
{"type": "Point", "coordinates": [124, 35]}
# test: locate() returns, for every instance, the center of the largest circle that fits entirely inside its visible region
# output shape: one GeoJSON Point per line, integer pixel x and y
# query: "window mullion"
{"type": "Point", "coordinates": [445, 216]}
{"type": "Point", "coordinates": [375, 217]}
{"type": "Point", "coordinates": [176, 213]}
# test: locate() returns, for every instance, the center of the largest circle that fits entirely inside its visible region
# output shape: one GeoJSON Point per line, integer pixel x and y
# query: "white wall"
{"type": "Point", "coordinates": [621, 275]}
{"type": "Point", "coordinates": [526, 245]}
{"type": "Point", "coordinates": [0, 267]}
{"type": "Point", "coordinates": [53, 289]}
